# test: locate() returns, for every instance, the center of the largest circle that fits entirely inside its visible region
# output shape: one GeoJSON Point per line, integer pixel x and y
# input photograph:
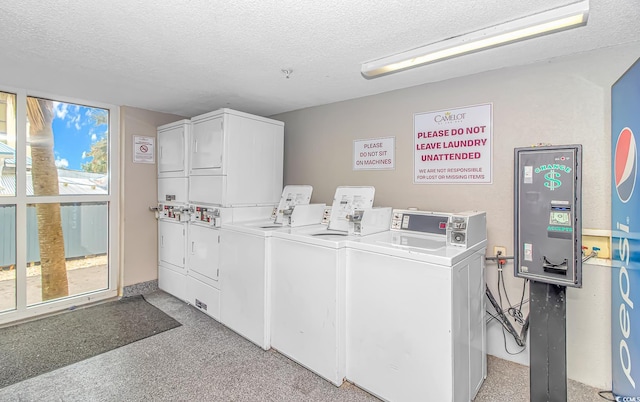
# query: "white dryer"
{"type": "Point", "coordinates": [203, 252]}
{"type": "Point", "coordinates": [308, 287]}
{"type": "Point", "coordinates": [245, 263]}
{"type": "Point", "coordinates": [172, 247]}
{"type": "Point", "coordinates": [415, 308]}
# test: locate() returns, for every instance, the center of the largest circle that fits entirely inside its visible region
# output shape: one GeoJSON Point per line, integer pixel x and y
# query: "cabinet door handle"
{"type": "Point", "coordinates": [193, 244]}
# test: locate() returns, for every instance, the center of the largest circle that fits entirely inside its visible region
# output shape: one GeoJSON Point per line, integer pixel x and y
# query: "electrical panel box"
{"type": "Point", "coordinates": [548, 214]}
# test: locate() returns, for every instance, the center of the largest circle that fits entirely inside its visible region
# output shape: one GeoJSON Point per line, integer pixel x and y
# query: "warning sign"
{"type": "Point", "coordinates": [453, 146]}
{"type": "Point", "coordinates": [377, 153]}
{"type": "Point", "coordinates": [143, 149]}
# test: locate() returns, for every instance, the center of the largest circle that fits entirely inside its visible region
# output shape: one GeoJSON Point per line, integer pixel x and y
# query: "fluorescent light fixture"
{"type": "Point", "coordinates": [555, 20]}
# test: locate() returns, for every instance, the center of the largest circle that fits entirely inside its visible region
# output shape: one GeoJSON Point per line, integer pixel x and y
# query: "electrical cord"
{"type": "Point", "coordinates": [504, 339]}
{"type": "Point", "coordinates": [506, 323]}
{"type": "Point", "coordinates": [514, 311]}
{"type": "Point", "coordinates": [493, 317]}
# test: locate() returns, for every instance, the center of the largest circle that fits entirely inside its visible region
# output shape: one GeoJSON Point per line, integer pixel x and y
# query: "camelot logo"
{"type": "Point", "coordinates": [625, 164]}
{"type": "Point", "coordinates": [449, 117]}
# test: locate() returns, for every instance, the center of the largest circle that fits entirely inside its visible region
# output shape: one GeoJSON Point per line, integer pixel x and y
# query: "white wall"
{"type": "Point", "coordinates": [565, 101]}
{"type": "Point", "coordinates": [139, 228]}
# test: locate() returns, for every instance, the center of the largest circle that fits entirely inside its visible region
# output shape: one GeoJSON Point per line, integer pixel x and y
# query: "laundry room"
{"type": "Point", "coordinates": [305, 241]}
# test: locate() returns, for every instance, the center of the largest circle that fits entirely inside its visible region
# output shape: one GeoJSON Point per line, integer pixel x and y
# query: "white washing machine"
{"type": "Point", "coordinates": [308, 287]}
{"type": "Point", "coordinates": [245, 264]}
{"type": "Point", "coordinates": [415, 308]}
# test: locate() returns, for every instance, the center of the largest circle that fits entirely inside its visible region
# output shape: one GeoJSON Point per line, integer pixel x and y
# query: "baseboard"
{"type": "Point", "coordinates": [140, 288]}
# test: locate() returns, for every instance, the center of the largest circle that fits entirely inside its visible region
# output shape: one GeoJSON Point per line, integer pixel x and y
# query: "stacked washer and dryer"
{"type": "Point", "coordinates": [173, 206]}
{"type": "Point", "coordinates": [234, 163]}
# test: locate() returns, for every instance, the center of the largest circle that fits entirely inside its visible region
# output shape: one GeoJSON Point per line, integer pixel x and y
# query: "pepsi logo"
{"type": "Point", "coordinates": [625, 164]}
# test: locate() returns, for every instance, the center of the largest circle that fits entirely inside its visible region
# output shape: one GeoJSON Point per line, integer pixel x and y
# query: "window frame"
{"type": "Point", "coordinates": [21, 200]}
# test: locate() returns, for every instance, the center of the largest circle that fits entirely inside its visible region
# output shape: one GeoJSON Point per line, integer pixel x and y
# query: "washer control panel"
{"type": "Point", "coordinates": [463, 229]}
{"type": "Point", "coordinates": [466, 229]}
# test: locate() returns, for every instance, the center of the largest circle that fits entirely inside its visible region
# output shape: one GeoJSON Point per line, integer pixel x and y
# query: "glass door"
{"type": "Point", "coordinates": [63, 200]}
{"type": "Point", "coordinates": [7, 202]}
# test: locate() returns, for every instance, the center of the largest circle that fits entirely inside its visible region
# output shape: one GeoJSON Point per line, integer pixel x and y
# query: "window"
{"type": "Point", "coordinates": [7, 144]}
{"type": "Point", "coordinates": [59, 193]}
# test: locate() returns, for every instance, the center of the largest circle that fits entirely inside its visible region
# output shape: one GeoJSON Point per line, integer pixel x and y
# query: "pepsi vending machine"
{"type": "Point", "coordinates": [625, 227]}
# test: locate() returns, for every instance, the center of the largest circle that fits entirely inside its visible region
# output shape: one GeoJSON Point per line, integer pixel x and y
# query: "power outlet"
{"type": "Point", "coordinates": [500, 249]}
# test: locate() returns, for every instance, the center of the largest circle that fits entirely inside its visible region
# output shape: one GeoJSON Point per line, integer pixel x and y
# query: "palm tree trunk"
{"type": "Point", "coordinates": [45, 183]}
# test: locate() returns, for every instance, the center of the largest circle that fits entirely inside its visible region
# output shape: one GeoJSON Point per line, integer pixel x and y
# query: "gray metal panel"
{"type": "Point", "coordinates": [7, 235]}
{"type": "Point", "coordinates": [84, 226]}
{"type": "Point", "coordinates": [548, 212]}
{"type": "Point", "coordinates": [548, 368]}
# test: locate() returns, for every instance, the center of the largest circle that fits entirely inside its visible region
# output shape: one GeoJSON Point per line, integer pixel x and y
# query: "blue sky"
{"type": "Point", "coordinates": [73, 133]}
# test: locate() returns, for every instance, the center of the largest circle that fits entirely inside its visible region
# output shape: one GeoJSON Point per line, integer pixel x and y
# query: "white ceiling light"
{"type": "Point", "coordinates": [555, 20]}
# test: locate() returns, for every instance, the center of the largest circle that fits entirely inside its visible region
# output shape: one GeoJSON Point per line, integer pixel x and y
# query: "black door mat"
{"type": "Point", "coordinates": [36, 347]}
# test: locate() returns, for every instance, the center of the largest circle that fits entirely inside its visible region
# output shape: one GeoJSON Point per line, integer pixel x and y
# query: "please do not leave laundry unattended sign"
{"type": "Point", "coordinates": [374, 154]}
{"type": "Point", "coordinates": [453, 146]}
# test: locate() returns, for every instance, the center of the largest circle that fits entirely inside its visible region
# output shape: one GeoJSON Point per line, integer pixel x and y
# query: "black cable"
{"type": "Point", "coordinates": [498, 319]}
{"type": "Point", "coordinates": [512, 330]}
{"type": "Point", "coordinates": [504, 338]}
{"type": "Point", "coordinates": [504, 320]}
{"type": "Point", "coordinates": [504, 287]}
{"type": "Point", "coordinates": [604, 397]}
{"type": "Point", "coordinates": [515, 312]}
{"type": "Point", "coordinates": [499, 294]}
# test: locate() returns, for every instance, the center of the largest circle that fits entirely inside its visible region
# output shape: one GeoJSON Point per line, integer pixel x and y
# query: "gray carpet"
{"type": "Point", "coordinates": [33, 348]}
{"type": "Point", "coordinates": [205, 361]}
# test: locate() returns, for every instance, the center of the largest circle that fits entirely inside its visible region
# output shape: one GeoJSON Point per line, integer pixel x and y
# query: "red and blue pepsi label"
{"type": "Point", "coordinates": [625, 228]}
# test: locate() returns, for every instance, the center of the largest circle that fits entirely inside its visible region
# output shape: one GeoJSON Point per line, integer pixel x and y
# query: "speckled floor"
{"type": "Point", "coordinates": [204, 361]}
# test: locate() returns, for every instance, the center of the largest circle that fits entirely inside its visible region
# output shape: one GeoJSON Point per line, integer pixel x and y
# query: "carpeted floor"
{"type": "Point", "coordinates": [205, 361]}
{"type": "Point", "coordinates": [36, 347]}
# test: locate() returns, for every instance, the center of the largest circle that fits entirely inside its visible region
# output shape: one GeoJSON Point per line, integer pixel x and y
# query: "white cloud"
{"type": "Point", "coordinates": [62, 163]}
{"type": "Point", "coordinates": [84, 154]}
{"type": "Point", "coordinates": [61, 109]}
{"type": "Point", "coordinates": [94, 137]}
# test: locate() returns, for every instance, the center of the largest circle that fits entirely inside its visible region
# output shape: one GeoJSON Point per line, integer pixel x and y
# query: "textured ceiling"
{"type": "Point", "coordinates": [192, 56]}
